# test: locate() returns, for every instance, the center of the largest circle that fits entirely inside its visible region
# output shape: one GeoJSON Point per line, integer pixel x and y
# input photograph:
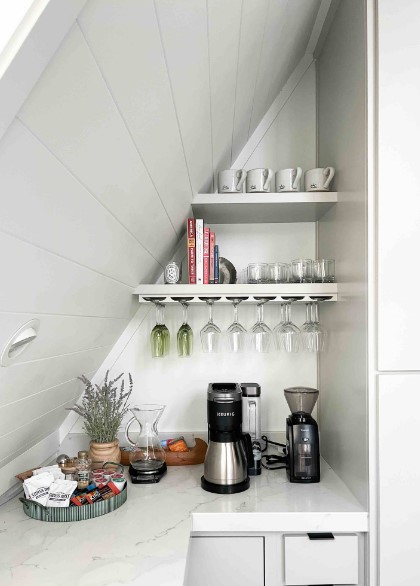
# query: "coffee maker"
{"type": "Point", "coordinates": [302, 439]}
{"type": "Point", "coordinates": [229, 450]}
{"type": "Point", "coordinates": [251, 422]}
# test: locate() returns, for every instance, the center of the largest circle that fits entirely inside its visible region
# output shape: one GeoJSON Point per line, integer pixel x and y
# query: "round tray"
{"type": "Point", "coordinates": [64, 514]}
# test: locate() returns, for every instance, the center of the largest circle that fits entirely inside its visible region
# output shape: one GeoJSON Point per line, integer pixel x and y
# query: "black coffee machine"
{"type": "Point", "coordinates": [302, 438]}
{"type": "Point", "coordinates": [229, 452]}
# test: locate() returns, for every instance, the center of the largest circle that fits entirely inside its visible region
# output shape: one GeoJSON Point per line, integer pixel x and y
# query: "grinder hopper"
{"type": "Point", "coordinates": [301, 399]}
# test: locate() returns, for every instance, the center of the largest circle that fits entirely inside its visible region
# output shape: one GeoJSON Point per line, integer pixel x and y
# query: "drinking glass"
{"type": "Point", "coordinates": [302, 270]}
{"type": "Point", "coordinates": [324, 271]}
{"type": "Point", "coordinates": [159, 336]}
{"type": "Point", "coordinates": [184, 337]}
{"type": "Point", "coordinates": [278, 272]}
{"type": "Point", "coordinates": [236, 333]}
{"type": "Point", "coordinates": [306, 328]}
{"type": "Point", "coordinates": [210, 335]}
{"type": "Point", "coordinates": [261, 335]}
{"type": "Point", "coordinates": [278, 327]}
{"type": "Point", "coordinates": [257, 272]}
{"type": "Point", "coordinates": [288, 334]}
{"type": "Point", "coordinates": [315, 337]}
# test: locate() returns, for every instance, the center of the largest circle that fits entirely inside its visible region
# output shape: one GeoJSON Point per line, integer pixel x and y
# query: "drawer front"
{"type": "Point", "coordinates": [321, 561]}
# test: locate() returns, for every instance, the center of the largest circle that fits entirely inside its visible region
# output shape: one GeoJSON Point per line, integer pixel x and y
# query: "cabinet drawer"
{"type": "Point", "coordinates": [321, 561]}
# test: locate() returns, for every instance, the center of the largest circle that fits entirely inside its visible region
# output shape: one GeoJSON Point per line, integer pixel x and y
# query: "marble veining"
{"type": "Point", "coordinates": [146, 540]}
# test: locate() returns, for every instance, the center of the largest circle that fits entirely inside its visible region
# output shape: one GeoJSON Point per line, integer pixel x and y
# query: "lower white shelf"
{"type": "Point", "coordinates": [303, 293]}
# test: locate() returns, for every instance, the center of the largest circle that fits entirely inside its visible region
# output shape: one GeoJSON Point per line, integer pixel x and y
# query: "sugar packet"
{"type": "Point", "coordinates": [60, 493]}
{"type": "Point", "coordinates": [37, 487]}
{"type": "Point", "coordinates": [55, 470]}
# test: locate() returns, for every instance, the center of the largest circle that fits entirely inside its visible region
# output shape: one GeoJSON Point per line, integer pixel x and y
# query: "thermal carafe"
{"type": "Point", "coordinates": [229, 450]}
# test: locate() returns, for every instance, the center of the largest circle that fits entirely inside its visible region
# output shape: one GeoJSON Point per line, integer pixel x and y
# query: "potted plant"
{"type": "Point", "coordinates": [103, 408]}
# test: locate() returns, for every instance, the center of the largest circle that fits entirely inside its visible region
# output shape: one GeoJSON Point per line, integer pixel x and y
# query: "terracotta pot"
{"type": "Point", "coordinates": [100, 453]}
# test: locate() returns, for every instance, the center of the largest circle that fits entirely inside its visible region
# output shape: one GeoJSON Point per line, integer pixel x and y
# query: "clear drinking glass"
{"type": "Point", "coordinates": [184, 337]}
{"type": "Point", "coordinates": [211, 334]}
{"type": "Point", "coordinates": [261, 335]}
{"type": "Point", "coordinates": [324, 270]}
{"type": "Point", "coordinates": [278, 272]}
{"type": "Point", "coordinates": [288, 334]}
{"type": "Point", "coordinates": [236, 333]}
{"type": "Point", "coordinates": [302, 270]}
{"type": "Point", "coordinates": [306, 328]}
{"type": "Point", "coordinates": [159, 336]}
{"type": "Point", "coordinates": [257, 272]}
{"type": "Point", "coordinates": [278, 327]}
{"type": "Point", "coordinates": [315, 336]}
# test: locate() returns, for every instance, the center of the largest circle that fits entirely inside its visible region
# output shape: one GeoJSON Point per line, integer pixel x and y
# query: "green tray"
{"type": "Point", "coordinates": [65, 514]}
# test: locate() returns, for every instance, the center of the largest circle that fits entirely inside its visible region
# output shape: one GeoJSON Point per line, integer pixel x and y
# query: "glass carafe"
{"type": "Point", "coordinates": [147, 453]}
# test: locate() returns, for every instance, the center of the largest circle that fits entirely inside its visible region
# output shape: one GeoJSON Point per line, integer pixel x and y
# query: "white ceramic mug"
{"type": "Point", "coordinates": [319, 179]}
{"type": "Point", "coordinates": [288, 179]}
{"type": "Point", "coordinates": [231, 180]}
{"type": "Point", "coordinates": [259, 180]}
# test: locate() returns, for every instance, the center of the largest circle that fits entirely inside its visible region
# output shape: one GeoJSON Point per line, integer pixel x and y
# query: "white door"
{"type": "Point", "coordinates": [399, 479]}
{"type": "Point", "coordinates": [215, 561]}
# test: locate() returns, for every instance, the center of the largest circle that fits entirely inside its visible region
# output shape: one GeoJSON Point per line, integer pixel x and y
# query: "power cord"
{"type": "Point", "coordinates": [270, 461]}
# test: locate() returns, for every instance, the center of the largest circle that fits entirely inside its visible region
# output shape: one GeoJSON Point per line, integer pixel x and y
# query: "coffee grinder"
{"type": "Point", "coordinates": [302, 439]}
{"type": "Point", "coordinates": [229, 451]}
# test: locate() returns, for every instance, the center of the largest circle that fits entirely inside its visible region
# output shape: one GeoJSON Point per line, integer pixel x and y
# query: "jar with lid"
{"type": "Point", "coordinates": [83, 469]}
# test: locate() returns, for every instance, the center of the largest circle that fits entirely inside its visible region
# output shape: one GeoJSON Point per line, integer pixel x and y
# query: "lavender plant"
{"type": "Point", "coordinates": [103, 407]}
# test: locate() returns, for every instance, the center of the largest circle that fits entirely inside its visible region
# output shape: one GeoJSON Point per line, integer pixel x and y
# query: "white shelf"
{"type": "Point", "coordinates": [327, 290]}
{"type": "Point", "coordinates": [255, 208]}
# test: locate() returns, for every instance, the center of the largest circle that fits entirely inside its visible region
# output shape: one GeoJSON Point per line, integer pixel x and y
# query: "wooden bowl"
{"type": "Point", "coordinates": [195, 455]}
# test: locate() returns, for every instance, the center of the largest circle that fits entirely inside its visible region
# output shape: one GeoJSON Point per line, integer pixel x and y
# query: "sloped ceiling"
{"type": "Point", "coordinates": [140, 107]}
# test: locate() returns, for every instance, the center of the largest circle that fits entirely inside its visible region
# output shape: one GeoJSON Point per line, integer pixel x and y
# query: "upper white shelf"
{"type": "Point", "coordinates": [255, 208]}
{"type": "Point", "coordinates": [278, 291]}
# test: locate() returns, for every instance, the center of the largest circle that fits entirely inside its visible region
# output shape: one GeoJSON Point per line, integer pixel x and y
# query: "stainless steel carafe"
{"type": "Point", "coordinates": [229, 450]}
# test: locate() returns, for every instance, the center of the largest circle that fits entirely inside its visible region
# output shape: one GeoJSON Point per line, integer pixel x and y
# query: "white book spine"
{"type": "Point", "coordinates": [199, 242]}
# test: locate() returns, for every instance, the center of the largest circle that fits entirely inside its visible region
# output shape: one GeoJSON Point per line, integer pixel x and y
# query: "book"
{"type": "Point", "coordinates": [199, 235]}
{"type": "Point", "coordinates": [216, 264]}
{"type": "Point", "coordinates": [191, 251]}
{"type": "Point", "coordinates": [206, 256]}
{"type": "Point", "coordinates": [212, 243]}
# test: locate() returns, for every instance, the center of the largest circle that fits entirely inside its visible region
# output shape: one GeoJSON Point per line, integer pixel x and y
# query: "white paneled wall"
{"type": "Point", "coordinates": [140, 106]}
{"type": "Point", "coordinates": [181, 383]}
{"type": "Point", "coordinates": [291, 139]}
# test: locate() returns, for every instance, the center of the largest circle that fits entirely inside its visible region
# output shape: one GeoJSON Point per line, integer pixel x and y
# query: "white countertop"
{"type": "Point", "coordinates": [146, 540]}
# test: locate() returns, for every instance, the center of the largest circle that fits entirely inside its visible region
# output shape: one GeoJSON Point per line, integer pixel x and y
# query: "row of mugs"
{"type": "Point", "coordinates": [259, 180]}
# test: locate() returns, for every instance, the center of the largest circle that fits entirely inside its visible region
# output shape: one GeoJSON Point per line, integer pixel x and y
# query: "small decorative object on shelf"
{"type": "Point", "coordinates": [227, 272]}
{"type": "Point", "coordinates": [173, 273]}
{"type": "Point", "coordinates": [103, 408]}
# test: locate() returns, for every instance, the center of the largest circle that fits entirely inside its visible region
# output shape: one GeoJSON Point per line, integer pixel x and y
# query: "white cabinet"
{"type": "Point", "coordinates": [399, 479]}
{"type": "Point", "coordinates": [321, 561]}
{"type": "Point", "coordinates": [237, 561]}
{"type": "Point", "coordinates": [398, 184]}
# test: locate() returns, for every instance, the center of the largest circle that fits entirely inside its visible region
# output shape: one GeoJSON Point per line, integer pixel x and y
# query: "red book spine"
{"type": "Point", "coordinates": [212, 243]}
{"type": "Point", "coordinates": [191, 251]}
{"type": "Point", "coordinates": [206, 256]}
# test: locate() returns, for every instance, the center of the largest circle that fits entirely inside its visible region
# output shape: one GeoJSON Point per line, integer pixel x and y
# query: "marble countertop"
{"type": "Point", "coordinates": [146, 540]}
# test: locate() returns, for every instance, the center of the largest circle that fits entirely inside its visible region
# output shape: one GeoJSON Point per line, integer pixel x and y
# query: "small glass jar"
{"type": "Point", "coordinates": [173, 273]}
{"type": "Point", "coordinates": [257, 272]}
{"type": "Point", "coordinates": [302, 270]}
{"type": "Point", "coordinates": [83, 470]}
{"type": "Point", "coordinates": [324, 271]}
{"type": "Point", "coordinates": [278, 272]}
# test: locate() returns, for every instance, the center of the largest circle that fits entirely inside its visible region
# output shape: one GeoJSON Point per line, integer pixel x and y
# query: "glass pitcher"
{"type": "Point", "coordinates": [147, 453]}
